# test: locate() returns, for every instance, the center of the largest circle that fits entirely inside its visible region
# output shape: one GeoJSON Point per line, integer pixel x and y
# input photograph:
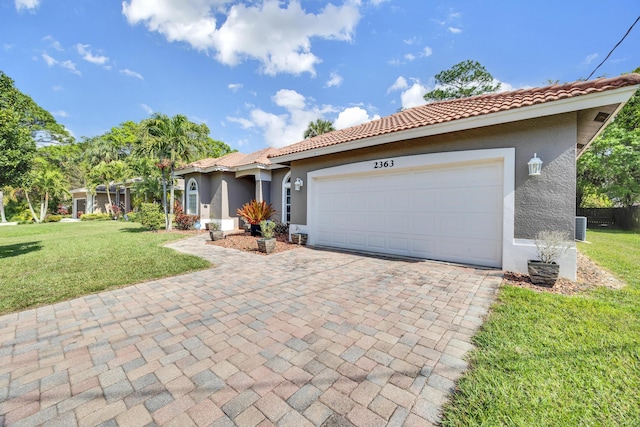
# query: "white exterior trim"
{"type": "Point", "coordinates": [283, 189]}
{"type": "Point", "coordinates": [189, 192]}
{"type": "Point", "coordinates": [577, 103]}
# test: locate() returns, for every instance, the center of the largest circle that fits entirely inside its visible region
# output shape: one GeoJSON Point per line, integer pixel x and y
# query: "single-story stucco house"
{"type": "Point", "coordinates": [446, 181]}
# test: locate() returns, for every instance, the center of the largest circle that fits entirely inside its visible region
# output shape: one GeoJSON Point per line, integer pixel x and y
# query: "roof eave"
{"type": "Point", "coordinates": [593, 100]}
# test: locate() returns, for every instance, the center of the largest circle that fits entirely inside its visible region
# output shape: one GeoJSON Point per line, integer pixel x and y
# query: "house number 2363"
{"type": "Point", "coordinates": [383, 164]}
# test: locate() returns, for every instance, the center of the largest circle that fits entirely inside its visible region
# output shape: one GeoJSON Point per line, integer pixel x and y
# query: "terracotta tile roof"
{"type": "Point", "coordinates": [447, 111]}
{"type": "Point", "coordinates": [234, 160]}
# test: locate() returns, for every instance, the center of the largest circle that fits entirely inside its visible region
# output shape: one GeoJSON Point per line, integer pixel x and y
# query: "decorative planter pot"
{"type": "Point", "coordinates": [267, 245]}
{"type": "Point", "coordinates": [299, 238]}
{"type": "Point", "coordinates": [543, 274]}
{"type": "Point", "coordinates": [216, 234]}
{"type": "Point", "coordinates": [255, 230]}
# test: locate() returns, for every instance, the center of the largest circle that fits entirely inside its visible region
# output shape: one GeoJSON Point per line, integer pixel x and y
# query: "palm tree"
{"type": "Point", "coordinates": [318, 128]}
{"type": "Point", "coordinates": [45, 182]}
{"type": "Point", "coordinates": [170, 140]}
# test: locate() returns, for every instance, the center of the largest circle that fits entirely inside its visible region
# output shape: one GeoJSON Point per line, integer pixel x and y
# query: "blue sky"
{"type": "Point", "coordinates": [257, 72]}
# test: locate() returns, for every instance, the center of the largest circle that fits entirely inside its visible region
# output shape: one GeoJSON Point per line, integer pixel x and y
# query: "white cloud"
{"type": "Point", "coordinates": [245, 123]}
{"type": "Point", "coordinates": [146, 109]}
{"type": "Point", "coordinates": [409, 57]}
{"type": "Point", "coordinates": [378, 2]}
{"type": "Point", "coordinates": [427, 51]}
{"type": "Point", "coordinates": [399, 84]}
{"type": "Point", "coordinates": [128, 72]}
{"type": "Point", "coordinates": [412, 40]}
{"type": "Point", "coordinates": [53, 43]}
{"type": "Point", "coordinates": [234, 87]}
{"type": "Point", "coordinates": [7, 47]}
{"type": "Point", "coordinates": [60, 113]}
{"type": "Point", "coordinates": [288, 127]}
{"type": "Point", "coordinates": [454, 30]}
{"type": "Point", "coordinates": [279, 38]}
{"type": "Point", "coordinates": [87, 55]}
{"type": "Point", "coordinates": [413, 96]}
{"type": "Point", "coordinates": [49, 60]}
{"type": "Point", "coordinates": [590, 58]}
{"type": "Point", "coordinates": [353, 116]}
{"type": "Point", "coordinates": [334, 81]}
{"type": "Point", "coordinates": [27, 4]}
{"type": "Point", "coordinates": [71, 66]}
{"type": "Point", "coordinates": [68, 64]}
{"type": "Point", "coordinates": [57, 88]}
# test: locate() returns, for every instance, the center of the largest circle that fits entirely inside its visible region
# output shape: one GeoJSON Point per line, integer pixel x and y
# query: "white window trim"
{"type": "Point", "coordinates": [190, 192]}
{"type": "Point", "coordinates": [286, 183]}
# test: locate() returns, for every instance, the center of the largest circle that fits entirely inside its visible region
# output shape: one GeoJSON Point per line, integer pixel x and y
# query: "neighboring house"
{"type": "Point", "coordinates": [86, 201]}
{"type": "Point", "coordinates": [445, 181]}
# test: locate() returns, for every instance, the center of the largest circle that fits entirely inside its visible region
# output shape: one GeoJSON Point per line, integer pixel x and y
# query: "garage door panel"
{"type": "Point", "coordinates": [450, 213]}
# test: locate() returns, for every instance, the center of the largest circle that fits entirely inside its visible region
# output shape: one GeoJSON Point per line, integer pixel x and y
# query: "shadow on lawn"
{"type": "Point", "coordinates": [17, 249]}
{"type": "Point", "coordinates": [134, 230]}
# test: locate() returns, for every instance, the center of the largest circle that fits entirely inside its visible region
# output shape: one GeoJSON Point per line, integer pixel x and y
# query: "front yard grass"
{"type": "Point", "coordinates": [47, 263]}
{"type": "Point", "coordinates": [551, 360]}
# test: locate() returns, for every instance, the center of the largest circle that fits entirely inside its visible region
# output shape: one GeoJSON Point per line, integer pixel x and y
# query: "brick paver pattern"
{"type": "Point", "coordinates": [299, 338]}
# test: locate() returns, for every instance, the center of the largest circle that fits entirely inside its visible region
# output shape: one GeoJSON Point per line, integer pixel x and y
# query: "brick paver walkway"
{"type": "Point", "coordinates": [300, 338]}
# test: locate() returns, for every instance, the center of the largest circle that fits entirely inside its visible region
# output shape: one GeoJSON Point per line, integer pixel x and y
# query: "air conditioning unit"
{"type": "Point", "coordinates": [581, 228]}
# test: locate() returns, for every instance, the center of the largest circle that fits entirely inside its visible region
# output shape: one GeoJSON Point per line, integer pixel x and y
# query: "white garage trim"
{"type": "Point", "coordinates": [504, 155]}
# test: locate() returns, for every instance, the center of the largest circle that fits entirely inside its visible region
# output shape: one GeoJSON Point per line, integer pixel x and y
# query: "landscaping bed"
{"type": "Point", "coordinates": [247, 243]}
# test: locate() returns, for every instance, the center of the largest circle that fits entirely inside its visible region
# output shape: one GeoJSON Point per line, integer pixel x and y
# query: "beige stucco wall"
{"type": "Point", "coordinates": [544, 202]}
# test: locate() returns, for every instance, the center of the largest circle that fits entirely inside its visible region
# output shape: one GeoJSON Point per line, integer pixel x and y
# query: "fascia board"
{"type": "Point", "coordinates": [517, 114]}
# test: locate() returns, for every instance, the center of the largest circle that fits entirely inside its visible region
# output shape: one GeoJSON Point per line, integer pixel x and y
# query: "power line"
{"type": "Point", "coordinates": [614, 48]}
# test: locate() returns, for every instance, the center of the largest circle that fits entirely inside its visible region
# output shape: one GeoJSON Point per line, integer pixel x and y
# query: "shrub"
{"type": "Point", "coordinates": [282, 229]}
{"type": "Point", "coordinates": [183, 220]}
{"type": "Point", "coordinates": [96, 217]}
{"type": "Point", "coordinates": [63, 209]}
{"type": "Point", "coordinates": [53, 218]}
{"type": "Point", "coordinates": [151, 216]}
{"type": "Point", "coordinates": [133, 217]}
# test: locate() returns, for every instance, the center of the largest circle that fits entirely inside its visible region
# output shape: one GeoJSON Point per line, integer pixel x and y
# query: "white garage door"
{"type": "Point", "coordinates": [448, 212]}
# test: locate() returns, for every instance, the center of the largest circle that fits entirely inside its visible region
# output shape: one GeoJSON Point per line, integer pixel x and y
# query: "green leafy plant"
{"type": "Point", "coordinates": [96, 217]}
{"type": "Point", "coordinates": [268, 229]}
{"type": "Point", "coordinates": [53, 218]}
{"type": "Point", "coordinates": [151, 216]}
{"type": "Point", "coordinates": [255, 212]}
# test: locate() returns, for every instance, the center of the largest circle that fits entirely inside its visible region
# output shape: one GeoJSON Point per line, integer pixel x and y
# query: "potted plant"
{"type": "Point", "coordinates": [550, 247]}
{"type": "Point", "coordinates": [299, 238]}
{"type": "Point", "coordinates": [254, 213]}
{"type": "Point", "coordinates": [267, 243]}
{"type": "Point", "coordinates": [215, 232]}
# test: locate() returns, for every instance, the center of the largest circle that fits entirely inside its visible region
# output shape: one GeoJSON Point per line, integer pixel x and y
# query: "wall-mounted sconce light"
{"type": "Point", "coordinates": [535, 165]}
{"type": "Point", "coordinates": [298, 183]}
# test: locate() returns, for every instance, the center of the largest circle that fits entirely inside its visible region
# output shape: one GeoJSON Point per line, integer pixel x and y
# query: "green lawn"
{"type": "Point", "coordinates": [47, 263]}
{"type": "Point", "coordinates": [551, 360]}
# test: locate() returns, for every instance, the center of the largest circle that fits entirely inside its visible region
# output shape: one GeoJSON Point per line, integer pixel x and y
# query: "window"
{"type": "Point", "coordinates": [286, 198]}
{"type": "Point", "coordinates": [192, 197]}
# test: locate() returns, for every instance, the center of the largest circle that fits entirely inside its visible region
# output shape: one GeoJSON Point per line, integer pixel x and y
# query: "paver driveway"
{"type": "Point", "coordinates": [299, 338]}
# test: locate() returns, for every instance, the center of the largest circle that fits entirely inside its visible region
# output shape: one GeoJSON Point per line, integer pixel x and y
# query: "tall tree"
{"type": "Point", "coordinates": [467, 78]}
{"type": "Point", "coordinates": [171, 140]}
{"type": "Point", "coordinates": [22, 123]}
{"type": "Point", "coordinates": [318, 127]}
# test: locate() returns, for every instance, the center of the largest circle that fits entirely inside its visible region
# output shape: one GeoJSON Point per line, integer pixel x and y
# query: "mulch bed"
{"type": "Point", "coordinates": [245, 242]}
{"type": "Point", "coordinates": [590, 275]}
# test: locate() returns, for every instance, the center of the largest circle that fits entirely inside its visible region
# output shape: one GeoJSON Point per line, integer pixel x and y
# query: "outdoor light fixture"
{"type": "Point", "coordinates": [298, 183]}
{"type": "Point", "coordinates": [535, 165]}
